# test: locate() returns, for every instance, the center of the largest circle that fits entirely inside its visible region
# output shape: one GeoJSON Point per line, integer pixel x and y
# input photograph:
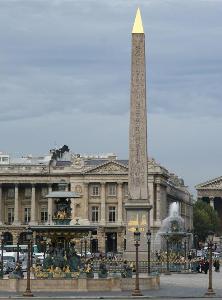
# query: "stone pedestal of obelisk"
{"type": "Point", "coordinates": [137, 206]}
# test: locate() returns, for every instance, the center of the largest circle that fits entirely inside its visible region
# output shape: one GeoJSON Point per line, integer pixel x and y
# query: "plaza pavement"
{"type": "Point", "coordinates": [175, 286]}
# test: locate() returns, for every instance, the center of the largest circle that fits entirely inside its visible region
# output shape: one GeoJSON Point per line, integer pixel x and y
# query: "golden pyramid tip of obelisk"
{"type": "Point", "coordinates": [138, 24]}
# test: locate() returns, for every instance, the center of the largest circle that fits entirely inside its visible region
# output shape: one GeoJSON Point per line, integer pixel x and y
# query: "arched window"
{"type": "Point", "coordinates": [22, 238]}
{"type": "Point", "coordinates": [8, 238]}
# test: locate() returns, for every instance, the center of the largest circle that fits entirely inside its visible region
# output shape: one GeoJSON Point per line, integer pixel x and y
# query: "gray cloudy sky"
{"type": "Point", "coordinates": [65, 76]}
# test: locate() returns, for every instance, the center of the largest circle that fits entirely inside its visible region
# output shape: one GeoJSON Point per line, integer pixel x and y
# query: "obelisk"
{"type": "Point", "coordinates": [137, 206]}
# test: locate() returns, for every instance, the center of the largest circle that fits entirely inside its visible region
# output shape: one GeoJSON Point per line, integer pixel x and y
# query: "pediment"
{"type": "Point", "coordinates": [211, 184]}
{"type": "Point", "coordinates": [109, 168]}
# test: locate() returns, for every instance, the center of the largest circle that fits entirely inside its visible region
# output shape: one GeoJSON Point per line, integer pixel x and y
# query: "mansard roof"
{"type": "Point", "coordinates": [215, 183]}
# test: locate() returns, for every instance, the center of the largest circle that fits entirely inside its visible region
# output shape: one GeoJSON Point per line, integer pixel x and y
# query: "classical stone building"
{"type": "Point", "coordinates": [102, 185]}
{"type": "Point", "coordinates": [211, 192]}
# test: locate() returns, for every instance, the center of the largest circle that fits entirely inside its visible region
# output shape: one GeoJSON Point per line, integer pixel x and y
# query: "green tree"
{"type": "Point", "coordinates": [205, 219]}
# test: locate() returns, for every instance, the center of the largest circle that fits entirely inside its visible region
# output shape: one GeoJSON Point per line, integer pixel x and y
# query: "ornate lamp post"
{"type": "Point", "coordinates": [148, 235]}
{"type": "Point", "coordinates": [31, 248]}
{"type": "Point", "coordinates": [85, 244]}
{"type": "Point", "coordinates": [81, 245]}
{"type": "Point", "coordinates": [185, 254]}
{"type": "Point", "coordinates": [17, 251]}
{"type": "Point", "coordinates": [113, 238]}
{"type": "Point", "coordinates": [44, 243]}
{"type": "Point", "coordinates": [28, 292]}
{"type": "Point", "coordinates": [196, 242]}
{"type": "Point", "coordinates": [210, 291]}
{"type": "Point", "coordinates": [90, 242]}
{"type": "Point", "coordinates": [2, 258]}
{"type": "Point", "coordinates": [136, 291]}
{"type": "Point", "coordinates": [106, 244]}
{"type": "Point", "coordinates": [168, 267]}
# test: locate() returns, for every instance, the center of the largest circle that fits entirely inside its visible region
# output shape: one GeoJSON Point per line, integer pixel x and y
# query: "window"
{"type": "Point", "coordinates": [27, 215]}
{"type": "Point", "coordinates": [95, 213]}
{"type": "Point", "coordinates": [10, 215]}
{"type": "Point", "coordinates": [112, 189]}
{"type": "Point", "coordinates": [28, 192]}
{"type": "Point", "coordinates": [95, 190]}
{"type": "Point", "coordinates": [5, 158]}
{"type": "Point", "coordinates": [112, 213]}
{"type": "Point", "coordinates": [11, 193]}
{"type": "Point", "coordinates": [44, 215]}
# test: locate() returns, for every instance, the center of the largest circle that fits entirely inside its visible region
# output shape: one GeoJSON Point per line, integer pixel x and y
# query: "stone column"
{"type": "Point", "coordinates": [86, 202]}
{"type": "Point", "coordinates": [103, 203]}
{"type": "Point", "coordinates": [15, 237]}
{"type": "Point", "coordinates": [152, 201]}
{"type": "Point", "coordinates": [120, 241]}
{"type": "Point", "coordinates": [120, 202]}
{"type": "Point", "coordinates": [34, 237]}
{"type": "Point", "coordinates": [16, 207]}
{"type": "Point", "coordinates": [1, 206]}
{"type": "Point", "coordinates": [158, 202]}
{"type": "Point", "coordinates": [211, 201]}
{"type": "Point", "coordinates": [50, 206]}
{"type": "Point", "coordinates": [33, 206]}
{"type": "Point", "coordinates": [72, 188]}
{"type": "Point", "coordinates": [101, 240]}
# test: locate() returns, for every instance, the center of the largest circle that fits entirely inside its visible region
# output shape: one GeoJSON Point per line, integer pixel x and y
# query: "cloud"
{"type": "Point", "coordinates": [65, 55]}
{"type": "Point", "coordinates": [65, 71]}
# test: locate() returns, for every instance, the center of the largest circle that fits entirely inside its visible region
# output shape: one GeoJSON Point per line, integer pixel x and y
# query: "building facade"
{"type": "Point", "coordinates": [102, 186]}
{"type": "Point", "coordinates": [211, 193]}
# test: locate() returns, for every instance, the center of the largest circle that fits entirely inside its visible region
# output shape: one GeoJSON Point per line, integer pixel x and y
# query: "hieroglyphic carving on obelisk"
{"type": "Point", "coordinates": [138, 185]}
{"type": "Point", "coordinates": [137, 206]}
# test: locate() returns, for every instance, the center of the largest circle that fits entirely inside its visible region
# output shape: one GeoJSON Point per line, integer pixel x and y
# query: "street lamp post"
{"type": "Point", "coordinates": [196, 242]}
{"type": "Point", "coordinates": [31, 251]}
{"type": "Point", "coordinates": [85, 243]}
{"type": "Point", "coordinates": [2, 258]}
{"type": "Point", "coordinates": [17, 251]}
{"type": "Point", "coordinates": [90, 242]}
{"type": "Point", "coordinates": [168, 264]}
{"type": "Point", "coordinates": [185, 254]}
{"type": "Point", "coordinates": [28, 292]}
{"type": "Point", "coordinates": [148, 235]}
{"type": "Point", "coordinates": [81, 244]}
{"type": "Point", "coordinates": [106, 245]}
{"type": "Point", "coordinates": [44, 243]}
{"type": "Point", "coordinates": [114, 238]}
{"type": "Point", "coordinates": [136, 291]}
{"type": "Point", "coordinates": [92, 249]}
{"type": "Point", "coordinates": [210, 291]}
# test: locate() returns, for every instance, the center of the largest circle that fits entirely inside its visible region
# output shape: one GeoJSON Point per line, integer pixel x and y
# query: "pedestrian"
{"type": "Point", "coordinates": [217, 265]}
{"type": "Point", "coordinates": [189, 256]}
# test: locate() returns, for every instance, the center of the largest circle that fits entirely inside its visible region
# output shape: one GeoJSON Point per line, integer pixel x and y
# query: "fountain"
{"type": "Point", "coordinates": [175, 240]}
{"type": "Point", "coordinates": [173, 232]}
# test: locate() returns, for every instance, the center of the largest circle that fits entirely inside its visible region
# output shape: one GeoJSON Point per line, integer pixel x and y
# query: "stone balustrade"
{"type": "Point", "coordinates": [80, 285]}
